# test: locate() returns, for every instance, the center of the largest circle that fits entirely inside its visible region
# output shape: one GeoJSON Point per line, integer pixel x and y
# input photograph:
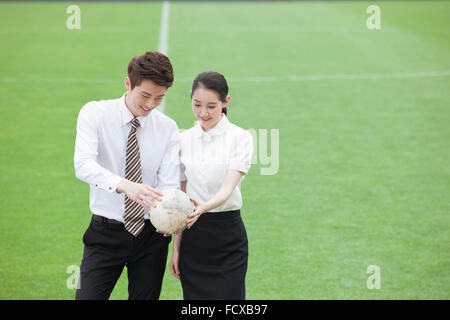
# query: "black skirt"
{"type": "Point", "coordinates": [214, 257]}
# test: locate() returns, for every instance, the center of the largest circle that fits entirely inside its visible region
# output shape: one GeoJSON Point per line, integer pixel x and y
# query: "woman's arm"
{"type": "Point", "coordinates": [232, 179]}
{"type": "Point", "coordinates": [176, 246]}
{"type": "Point", "coordinates": [177, 237]}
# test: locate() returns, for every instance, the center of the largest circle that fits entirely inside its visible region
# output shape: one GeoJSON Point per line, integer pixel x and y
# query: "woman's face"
{"type": "Point", "coordinates": [207, 107]}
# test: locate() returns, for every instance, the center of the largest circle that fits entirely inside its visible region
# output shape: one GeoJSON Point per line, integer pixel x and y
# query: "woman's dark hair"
{"type": "Point", "coordinates": [213, 81]}
{"type": "Point", "coordinates": [152, 66]}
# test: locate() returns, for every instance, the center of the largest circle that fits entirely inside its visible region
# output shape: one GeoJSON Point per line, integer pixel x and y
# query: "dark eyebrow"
{"type": "Point", "coordinates": [207, 103]}
{"type": "Point", "coordinates": [149, 94]}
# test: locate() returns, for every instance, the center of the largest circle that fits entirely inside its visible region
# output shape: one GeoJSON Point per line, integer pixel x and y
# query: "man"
{"type": "Point", "coordinates": [127, 151]}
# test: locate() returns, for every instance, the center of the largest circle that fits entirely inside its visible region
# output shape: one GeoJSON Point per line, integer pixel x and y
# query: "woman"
{"type": "Point", "coordinates": [210, 256]}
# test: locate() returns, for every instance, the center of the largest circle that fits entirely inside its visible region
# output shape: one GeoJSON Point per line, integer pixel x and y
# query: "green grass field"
{"type": "Point", "coordinates": [364, 137]}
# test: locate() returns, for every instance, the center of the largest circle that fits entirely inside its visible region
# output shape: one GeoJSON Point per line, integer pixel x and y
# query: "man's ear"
{"type": "Point", "coordinates": [128, 84]}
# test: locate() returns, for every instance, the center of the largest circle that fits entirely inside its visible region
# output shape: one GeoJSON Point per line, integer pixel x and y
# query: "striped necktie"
{"type": "Point", "coordinates": [134, 213]}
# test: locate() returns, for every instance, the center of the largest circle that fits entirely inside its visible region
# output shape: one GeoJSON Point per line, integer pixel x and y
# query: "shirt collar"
{"type": "Point", "coordinates": [219, 128]}
{"type": "Point", "coordinates": [126, 114]}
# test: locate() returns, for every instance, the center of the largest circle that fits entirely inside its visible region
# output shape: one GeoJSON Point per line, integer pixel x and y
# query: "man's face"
{"type": "Point", "coordinates": [145, 97]}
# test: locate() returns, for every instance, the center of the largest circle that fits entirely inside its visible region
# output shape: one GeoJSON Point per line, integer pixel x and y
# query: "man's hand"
{"type": "Point", "coordinates": [140, 193]}
{"type": "Point", "coordinates": [164, 234]}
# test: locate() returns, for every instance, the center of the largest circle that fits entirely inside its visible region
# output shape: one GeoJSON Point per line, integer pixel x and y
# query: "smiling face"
{"type": "Point", "coordinates": [207, 107]}
{"type": "Point", "coordinates": [143, 98]}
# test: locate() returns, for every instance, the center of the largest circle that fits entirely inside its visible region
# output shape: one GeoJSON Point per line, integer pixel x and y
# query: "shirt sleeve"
{"type": "Point", "coordinates": [168, 175]}
{"type": "Point", "coordinates": [241, 155]}
{"type": "Point", "coordinates": [87, 168]}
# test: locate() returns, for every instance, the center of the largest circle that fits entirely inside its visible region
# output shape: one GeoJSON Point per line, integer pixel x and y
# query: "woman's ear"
{"type": "Point", "coordinates": [227, 99]}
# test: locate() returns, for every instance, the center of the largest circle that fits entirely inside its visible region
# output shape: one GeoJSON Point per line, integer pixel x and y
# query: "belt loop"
{"type": "Point", "coordinates": [103, 220]}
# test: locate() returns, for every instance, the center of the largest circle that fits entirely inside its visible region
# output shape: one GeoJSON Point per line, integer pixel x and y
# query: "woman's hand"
{"type": "Point", "coordinates": [174, 268]}
{"type": "Point", "coordinates": [199, 210]}
{"type": "Point", "coordinates": [174, 265]}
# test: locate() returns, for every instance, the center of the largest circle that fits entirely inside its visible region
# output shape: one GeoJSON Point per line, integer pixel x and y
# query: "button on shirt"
{"type": "Point", "coordinates": [100, 153]}
{"type": "Point", "coordinates": [206, 158]}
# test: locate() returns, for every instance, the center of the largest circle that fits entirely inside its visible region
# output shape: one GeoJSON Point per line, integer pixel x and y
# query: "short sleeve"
{"type": "Point", "coordinates": [241, 155]}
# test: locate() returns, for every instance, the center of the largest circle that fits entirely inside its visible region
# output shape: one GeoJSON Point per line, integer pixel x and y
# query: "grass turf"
{"type": "Point", "coordinates": [363, 177]}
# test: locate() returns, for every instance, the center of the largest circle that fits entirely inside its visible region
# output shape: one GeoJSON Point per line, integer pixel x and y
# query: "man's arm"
{"type": "Point", "coordinates": [168, 175]}
{"type": "Point", "coordinates": [88, 170]}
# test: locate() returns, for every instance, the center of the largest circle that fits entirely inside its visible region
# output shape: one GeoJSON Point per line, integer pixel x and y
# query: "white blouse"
{"type": "Point", "coordinates": [206, 158]}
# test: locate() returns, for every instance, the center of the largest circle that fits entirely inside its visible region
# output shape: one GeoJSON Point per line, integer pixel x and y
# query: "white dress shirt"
{"type": "Point", "coordinates": [100, 153]}
{"type": "Point", "coordinates": [206, 158]}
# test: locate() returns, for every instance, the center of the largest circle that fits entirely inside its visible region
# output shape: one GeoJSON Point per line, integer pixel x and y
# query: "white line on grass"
{"type": "Point", "coordinates": [299, 29]}
{"type": "Point", "coordinates": [163, 45]}
{"type": "Point", "coordinates": [288, 78]}
{"type": "Point", "coordinates": [343, 77]}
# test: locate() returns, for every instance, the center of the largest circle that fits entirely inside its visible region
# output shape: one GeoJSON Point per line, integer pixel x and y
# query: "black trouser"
{"type": "Point", "coordinates": [108, 248]}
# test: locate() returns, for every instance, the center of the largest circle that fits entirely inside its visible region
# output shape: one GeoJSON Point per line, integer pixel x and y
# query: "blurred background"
{"type": "Point", "coordinates": [359, 100]}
